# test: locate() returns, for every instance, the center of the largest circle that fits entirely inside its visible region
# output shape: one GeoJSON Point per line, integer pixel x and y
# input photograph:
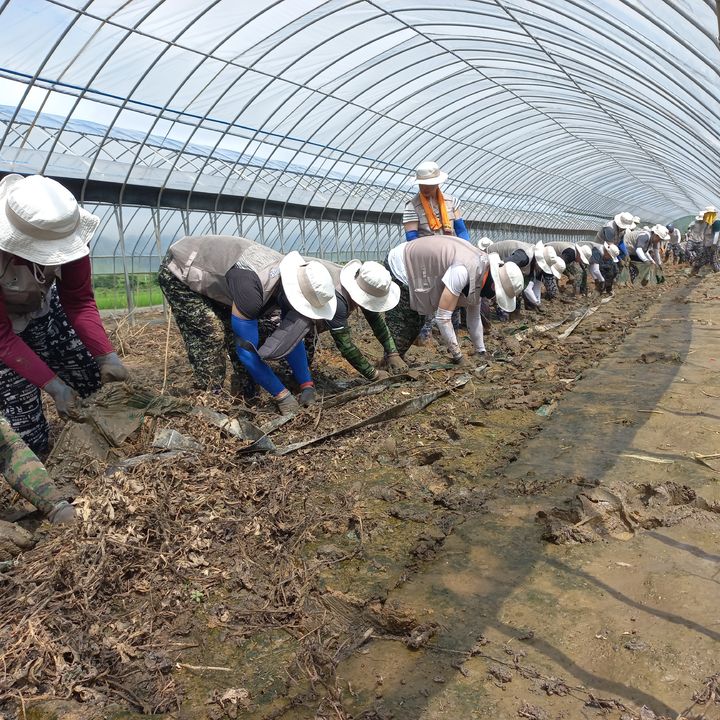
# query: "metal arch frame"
{"type": "Point", "coordinates": [501, 175]}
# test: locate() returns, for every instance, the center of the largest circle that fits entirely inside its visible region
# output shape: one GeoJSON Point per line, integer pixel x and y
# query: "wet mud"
{"type": "Point", "coordinates": [536, 543]}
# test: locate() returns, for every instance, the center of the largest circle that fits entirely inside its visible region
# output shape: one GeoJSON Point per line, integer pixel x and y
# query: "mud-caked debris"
{"type": "Point", "coordinates": [501, 673]}
{"type": "Point", "coordinates": [533, 712]}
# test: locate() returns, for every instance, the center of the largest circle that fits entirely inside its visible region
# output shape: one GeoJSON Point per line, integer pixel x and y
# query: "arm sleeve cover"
{"type": "Point", "coordinates": [348, 349]}
{"type": "Point", "coordinates": [623, 249]}
{"type": "Point", "coordinates": [411, 234]}
{"type": "Point", "coordinates": [443, 320]}
{"type": "Point", "coordinates": [460, 230]}
{"type": "Point", "coordinates": [247, 332]}
{"type": "Point", "coordinates": [641, 255]}
{"type": "Point", "coordinates": [475, 327]}
{"type": "Point", "coordinates": [595, 272]}
{"type": "Point", "coordinates": [78, 300]}
{"type": "Point", "coordinates": [377, 324]}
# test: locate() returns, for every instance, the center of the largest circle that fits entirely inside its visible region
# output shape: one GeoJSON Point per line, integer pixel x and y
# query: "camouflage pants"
{"type": "Point", "coordinates": [24, 472]}
{"type": "Point", "coordinates": [578, 277]}
{"type": "Point", "coordinates": [609, 271]}
{"type": "Point", "coordinates": [206, 330]}
{"type": "Point", "coordinates": [402, 321]}
{"type": "Point", "coordinates": [551, 287]}
{"type": "Point", "coordinates": [707, 256]}
{"type": "Point", "coordinates": [53, 339]}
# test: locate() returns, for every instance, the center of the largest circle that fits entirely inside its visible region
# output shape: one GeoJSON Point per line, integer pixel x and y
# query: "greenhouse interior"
{"type": "Point", "coordinates": [490, 493]}
{"type": "Point", "coordinates": [298, 124]}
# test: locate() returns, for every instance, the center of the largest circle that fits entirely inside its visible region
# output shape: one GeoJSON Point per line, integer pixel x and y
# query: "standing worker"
{"type": "Point", "coordinates": [707, 231]}
{"type": "Point", "coordinates": [431, 212]}
{"type": "Point", "coordinates": [51, 335]}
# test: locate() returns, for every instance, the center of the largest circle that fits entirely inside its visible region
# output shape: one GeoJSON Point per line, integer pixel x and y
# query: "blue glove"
{"type": "Point", "coordinates": [460, 230]}
{"type": "Point", "coordinates": [411, 234]}
{"type": "Point", "coordinates": [247, 338]}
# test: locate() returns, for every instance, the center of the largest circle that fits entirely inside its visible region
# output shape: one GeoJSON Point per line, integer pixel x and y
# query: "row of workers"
{"type": "Point", "coordinates": [220, 288]}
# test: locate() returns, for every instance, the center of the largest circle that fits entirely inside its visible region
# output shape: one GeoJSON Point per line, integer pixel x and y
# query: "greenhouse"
{"type": "Point", "coordinates": [358, 359]}
{"type": "Point", "coordinates": [298, 124]}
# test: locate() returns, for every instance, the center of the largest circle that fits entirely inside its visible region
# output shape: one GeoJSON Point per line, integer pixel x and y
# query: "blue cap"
{"type": "Point", "coordinates": [670, 227]}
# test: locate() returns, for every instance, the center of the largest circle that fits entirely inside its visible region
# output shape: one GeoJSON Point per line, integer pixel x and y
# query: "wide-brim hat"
{"type": "Point", "coordinates": [624, 220]}
{"type": "Point", "coordinates": [429, 173]}
{"type": "Point", "coordinates": [585, 253]}
{"type": "Point", "coordinates": [508, 280]}
{"type": "Point", "coordinates": [661, 231]}
{"type": "Point", "coordinates": [308, 286]}
{"type": "Point", "coordinates": [40, 221]}
{"type": "Point", "coordinates": [547, 258]}
{"type": "Point", "coordinates": [699, 217]}
{"type": "Point", "coordinates": [370, 285]}
{"type": "Point", "coordinates": [484, 243]}
{"type": "Point", "coordinates": [612, 250]}
{"type": "Point", "coordinates": [710, 209]}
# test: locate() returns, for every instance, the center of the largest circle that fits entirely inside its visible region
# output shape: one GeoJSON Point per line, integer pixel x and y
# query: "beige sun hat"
{"type": "Point", "coordinates": [484, 243]}
{"type": "Point", "coordinates": [308, 286]}
{"type": "Point", "coordinates": [612, 250]}
{"type": "Point", "coordinates": [41, 221]}
{"type": "Point", "coordinates": [710, 209]}
{"type": "Point", "coordinates": [547, 258]}
{"type": "Point", "coordinates": [508, 280]}
{"type": "Point", "coordinates": [624, 220]}
{"type": "Point", "coordinates": [661, 231]}
{"type": "Point", "coordinates": [429, 173]}
{"type": "Point", "coordinates": [558, 267]}
{"type": "Point", "coordinates": [585, 253]}
{"type": "Point", "coordinates": [370, 285]}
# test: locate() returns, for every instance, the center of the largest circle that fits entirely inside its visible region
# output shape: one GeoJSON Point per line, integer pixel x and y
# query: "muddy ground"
{"type": "Point", "coordinates": [538, 542]}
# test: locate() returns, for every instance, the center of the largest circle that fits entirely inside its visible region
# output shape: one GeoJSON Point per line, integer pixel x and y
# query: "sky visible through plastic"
{"type": "Point", "coordinates": [546, 114]}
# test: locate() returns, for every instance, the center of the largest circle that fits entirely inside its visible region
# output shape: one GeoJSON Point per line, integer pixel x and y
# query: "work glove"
{"type": "Point", "coordinates": [287, 405]}
{"type": "Point", "coordinates": [395, 363]}
{"type": "Point", "coordinates": [381, 375]}
{"type": "Point", "coordinates": [62, 513]}
{"type": "Point", "coordinates": [111, 369]}
{"type": "Point", "coordinates": [13, 540]}
{"type": "Point", "coordinates": [308, 396]}
{"type": "Point", "coordinates": [66, 399]}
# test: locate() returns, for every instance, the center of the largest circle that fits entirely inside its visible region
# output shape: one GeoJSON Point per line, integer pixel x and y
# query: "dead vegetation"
{"type": "Point", "coordinates": [235, 582]}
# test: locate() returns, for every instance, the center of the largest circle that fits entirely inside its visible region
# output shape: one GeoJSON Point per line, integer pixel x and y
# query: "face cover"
{"type": "Point", "coordinates": [709, 218]}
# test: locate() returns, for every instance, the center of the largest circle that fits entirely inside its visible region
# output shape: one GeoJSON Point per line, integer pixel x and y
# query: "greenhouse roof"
{"type": "Point", "coordinates": [552, 113]}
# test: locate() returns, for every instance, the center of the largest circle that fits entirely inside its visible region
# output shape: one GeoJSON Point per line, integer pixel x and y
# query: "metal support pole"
{"type": "Point", "coordinates": [128, 286]}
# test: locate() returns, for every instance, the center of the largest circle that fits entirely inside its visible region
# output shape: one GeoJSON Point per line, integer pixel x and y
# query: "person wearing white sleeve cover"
{"type": "Point", "coordinates": [436, 275]}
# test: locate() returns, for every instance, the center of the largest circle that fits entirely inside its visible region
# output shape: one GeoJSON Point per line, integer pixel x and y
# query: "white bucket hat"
{"type": "Point", "coordinates": [40, 221]}
{"type": "Point", "coordinates": [585, 253]}
{"type": "Point", "coordinates": [484, 243]}
{"type": "Point", "coordinates": [429, 173]}
{"type": "Point", "coordinates": [547, 258]}
{"type": "Point", "coordinates": [558, 267]}
{"type": "Point", "coordinates": [370, 285]}
{"type": "Point", "coordinates": [612, 250]}
{"type": "Point", "coordinates": [308, 286]}
{"type": "Point", "coordinates": [699, 216]}
{"type": "Point", "coordinates": [661, 231]}
{"type": "Point", "coordinates": [710, 209]}
{"type": "Point", "coordinates": [508, 280]}
{"type": "Point", "coordinates": [624, 220]}
{"type": "Point", "coordinates": [636, 219]}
